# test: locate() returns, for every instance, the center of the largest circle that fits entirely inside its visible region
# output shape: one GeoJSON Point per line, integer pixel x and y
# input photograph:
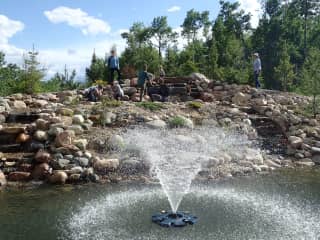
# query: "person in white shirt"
{"type": "Point", "coordinates": [117, 91]}
{"type": "Point", "coordinates": [257, 69]}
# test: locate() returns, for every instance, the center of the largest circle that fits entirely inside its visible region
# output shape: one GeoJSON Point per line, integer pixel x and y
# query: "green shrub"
{"type": "Point", "coordinates": [195, 105]}
{"type": "Point", "coordinates": [110, 103]}
{"type": "Point", "coordinates": [177, 121]}
{"type": "Point", "coordinates": [152, 106]}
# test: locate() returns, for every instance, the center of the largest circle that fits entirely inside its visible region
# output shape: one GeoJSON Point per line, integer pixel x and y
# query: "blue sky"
{"type": "Point", "coordinates": [67, 31]}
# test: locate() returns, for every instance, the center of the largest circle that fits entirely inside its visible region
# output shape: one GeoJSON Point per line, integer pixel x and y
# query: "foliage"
{"type": "Point", "coordinates": [177, 121]}
{"type": "Point", "coordinates": [311, 78]}
{"type": "Point", "coordinates": [151, 106]}
{"type": "Point", "coordinates": [61, 82]}
{"type": "Point", "coordinates": [97, 70]}
{"type": "Point", "coordinates": [32, 74]}
{"type": "Point", "coordinates": [284, 71]}
{"type": "Point", "coordinates": [110, 103]}
{"type": "Point", "coordinates": [195, 105]}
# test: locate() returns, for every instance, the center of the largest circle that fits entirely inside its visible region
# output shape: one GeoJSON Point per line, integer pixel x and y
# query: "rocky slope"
{"type": "Point", "coordinates": [60, 138]}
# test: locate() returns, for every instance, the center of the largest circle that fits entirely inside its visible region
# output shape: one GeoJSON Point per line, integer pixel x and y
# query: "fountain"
{"type": "Point", "coordinates": [176, 156]}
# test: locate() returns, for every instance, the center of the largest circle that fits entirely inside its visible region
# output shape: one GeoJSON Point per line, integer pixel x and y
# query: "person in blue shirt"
{"type": "Point", "coordinates": [144, 81]}
{"type": "Point", "coordinates": [257, 69]}
{"type": "Point", "coordinates": [113, 65]}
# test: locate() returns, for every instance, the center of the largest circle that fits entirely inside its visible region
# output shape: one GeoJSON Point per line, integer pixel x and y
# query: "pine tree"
{"type": "Point", "coordinates": [311, 78]}
{"type": "Point", "coordinates": [32, 73]}
{"type": "Point", "coordinates": [284, 71]}
{"type": "Point", "coordinates": [96, 71]}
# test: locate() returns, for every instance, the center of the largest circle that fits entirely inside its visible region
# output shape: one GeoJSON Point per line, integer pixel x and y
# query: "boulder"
{"type": "Point", "coordinates": [315, 150]}
{"type": "Point", "coordinates": [81, 143]}
{"type": "Point", "coordinates": [19, 176]}
{"type": "Point", "coordinates": [40, 103]}
{"type": "Point", "coordinates": [129, 91]}
{"type": "Point", "coordinates": [2, 119]}
{"type": "Point", "coordinates": [55, 130]}
{"type": "Point", "coordinates": [42, 124]}
{"type": "Point", "coordinates": [156, 124]}
{"type": "Point", "coordinates": [106, 164]}
{"type": "Point", "coordinates": [63, 139]}
{"type": "Point", "coordinates": [58, 177]}
{"type": "Point", "coordinates": [200, 77]}
{"type": "Point", "coordinates": [3, 180]}
{"type": "Point", "coordinates": [116, 142]}
{"type": "Point", "coordinates": [241, 99]}
{"type": "Point", "coordinates": [40, 136]}
{"type": "Point", "coordinates": [77, 129]}
{"type": "Point", "coordinates": [78, 119]}
{"type": "Point", "coordinates": [40, 171]}
{"type": "Point", "coordinates": [75, 178]}
{"type": "Point", "coordinates": [76, 170]}
{"type": "Point", "coordinates": [82, 161]}
{"type": "Point", "coordinates": [316, 159]}
{"type": "Point", "coordinates": [22, 138]}
{"type": "Point", "coordinates": [19, 105]}
{"type": "Point", "coordinates": [43, 156]}
{"type": "Point", "coordinates": [108, 118]}
{"type": "Point", "coordinates": [295, 142]}
{"type": "Point", "coordinates": [260, 102]}
{"type": "Point", "coordinates": [65, 111]}
{"type": "Point", "coordinates": [207, 97]}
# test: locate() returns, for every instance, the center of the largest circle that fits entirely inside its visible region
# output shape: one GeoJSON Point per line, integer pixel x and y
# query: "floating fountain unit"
{"type": "Point", "coordinates": [170, 219]}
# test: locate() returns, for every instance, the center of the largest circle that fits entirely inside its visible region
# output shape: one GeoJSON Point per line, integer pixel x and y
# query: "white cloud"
{"type": "Point", "coordinates": [174, 9]}
{"type": "Point", "coordinates": [78, 57]}
{"type": "Point", "coordinates": [254, 8]}
{"type": "Point", "coordinates": [77, 18]}
{"type": "Point", "coordinates": [8, 28]}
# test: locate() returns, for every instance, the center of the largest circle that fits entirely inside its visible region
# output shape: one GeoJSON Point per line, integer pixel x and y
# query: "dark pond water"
{"type": "Point", "coordinates": [283, 205]}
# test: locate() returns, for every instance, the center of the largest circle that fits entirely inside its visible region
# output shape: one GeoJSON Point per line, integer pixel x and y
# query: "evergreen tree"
{"type": "Point", "coordinates": [161, 32]}
{"type": "Point", "coordinates": [284, 71]}
{"type": "Point", "coordinates": [96, 71]}
{"type": "Point", "coordinates": [311, 78]}
{"type": "Point", "coordinates": [32, 73]}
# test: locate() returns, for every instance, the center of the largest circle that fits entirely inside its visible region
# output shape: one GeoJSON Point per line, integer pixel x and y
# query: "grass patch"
{"type": "Point", "coordinates": [177, 121]}
{"type": "Point", "coordinates": [195, 105]}
{"type": "Point", "coordinates": [152, 106]}
{"type": "Point", "coordinates": [110, 103]}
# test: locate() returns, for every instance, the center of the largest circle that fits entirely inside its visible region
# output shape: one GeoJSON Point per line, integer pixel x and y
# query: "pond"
{"type": "Point", "coordinates": [283, 205]}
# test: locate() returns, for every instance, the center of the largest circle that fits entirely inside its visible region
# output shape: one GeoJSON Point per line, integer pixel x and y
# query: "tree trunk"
{"type": "Point", "coordinates": [305, 27]}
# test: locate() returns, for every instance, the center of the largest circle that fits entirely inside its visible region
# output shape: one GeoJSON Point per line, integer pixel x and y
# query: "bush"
{"type": "Point", "coordinates": [152, 106]}
{"type": "Point", "coordinates": [195, 105]}
{"type": "Point", "coordinates": [110, 103]}
{"type": "Point", "coordinates": [177, 121]}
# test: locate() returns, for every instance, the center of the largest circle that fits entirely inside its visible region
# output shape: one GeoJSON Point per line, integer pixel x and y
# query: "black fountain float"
{"type": "Point", "coordinates": [170, 219]}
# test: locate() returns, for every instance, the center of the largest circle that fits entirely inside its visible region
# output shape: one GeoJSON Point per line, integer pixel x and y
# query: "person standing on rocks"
{"type": "Point", "coordinates": [144, 81]}
{"type": "Point", "coordinates": [257, 69]}
{"type": "Point", "coordinates": [162, 73]}
{"type": "Point", "coordinates": [113, 65]}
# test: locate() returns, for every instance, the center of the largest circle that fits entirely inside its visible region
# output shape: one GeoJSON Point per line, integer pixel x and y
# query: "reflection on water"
{"type": "Point", "coordinates": [282, 206]}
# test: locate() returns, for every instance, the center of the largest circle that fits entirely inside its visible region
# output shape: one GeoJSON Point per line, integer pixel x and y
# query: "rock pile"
{"type": "Point", "coordinates": [60, 138]}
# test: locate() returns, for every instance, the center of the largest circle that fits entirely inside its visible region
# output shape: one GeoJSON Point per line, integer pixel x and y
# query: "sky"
{"type": "Point", "coordinates": [65, 32]}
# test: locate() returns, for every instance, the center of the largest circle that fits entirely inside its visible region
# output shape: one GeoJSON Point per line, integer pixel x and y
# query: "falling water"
{"type": "Point", "coordinates": [177, 155]}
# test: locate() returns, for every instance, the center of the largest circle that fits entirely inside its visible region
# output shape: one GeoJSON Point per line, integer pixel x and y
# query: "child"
{"type": "Point", "coordinates": [117, 91]}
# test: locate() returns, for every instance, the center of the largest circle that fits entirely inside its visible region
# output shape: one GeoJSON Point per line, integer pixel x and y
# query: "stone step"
{"type": "Point", "coordinates": [11, 148]}
{"type": "Point", "coordinates": [7, 138]}
{"type": "Point", "coordinates": [178, 90]}
{"type": "Point", "coordinates": [23, 118]}
{"type": "Point", "coordinates": [174, 80]}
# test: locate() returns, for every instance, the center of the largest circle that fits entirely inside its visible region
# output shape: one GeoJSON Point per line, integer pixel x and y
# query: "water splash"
{"type": "Point", "coordinates": [177, 155]}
